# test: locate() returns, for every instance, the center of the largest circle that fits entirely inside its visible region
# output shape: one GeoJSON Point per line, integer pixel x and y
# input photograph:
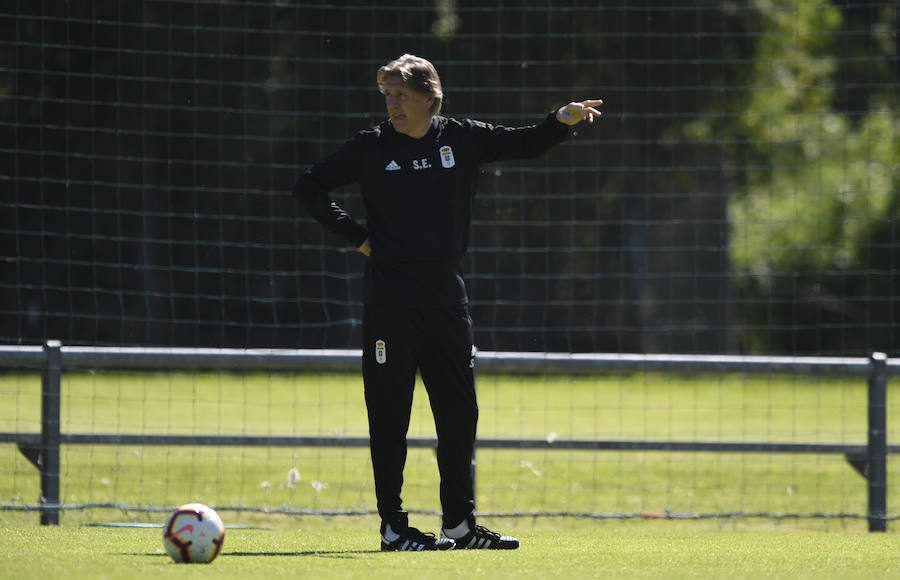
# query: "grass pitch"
{"type": "Point", "coordinates": [516, 481]}
{"type": "Point", "coordinates": [509, 481]}
{"type": "Point", "coordinates": [348, 548]}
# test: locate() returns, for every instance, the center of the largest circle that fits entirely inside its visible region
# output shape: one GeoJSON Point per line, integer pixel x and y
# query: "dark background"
{"type": "Point", "coordinates": [148, 149]}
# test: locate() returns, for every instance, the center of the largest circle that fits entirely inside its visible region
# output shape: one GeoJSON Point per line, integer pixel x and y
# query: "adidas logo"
{"type": "Point", "coordinates": [392, 166]}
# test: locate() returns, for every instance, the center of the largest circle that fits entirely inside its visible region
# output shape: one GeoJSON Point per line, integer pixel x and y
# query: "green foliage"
{"type": "Point", "coordinates": [822, 179]}
{"type": "Point", "coordinates": [814, 176]}
{"type": "Point", "coordinates": [814, 207]}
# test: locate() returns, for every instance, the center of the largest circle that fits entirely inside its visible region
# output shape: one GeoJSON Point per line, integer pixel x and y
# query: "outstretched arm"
{"type": "Point", "coordinates": [501, 143]}
{"type": "Point", "coordinates": [576, 112]}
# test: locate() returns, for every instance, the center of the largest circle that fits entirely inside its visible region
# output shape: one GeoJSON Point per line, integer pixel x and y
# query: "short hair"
{"type": "Point", "coordinates": [418, 74]}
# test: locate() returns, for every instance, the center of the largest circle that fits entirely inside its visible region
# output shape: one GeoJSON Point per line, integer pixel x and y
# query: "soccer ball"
{"type": "Point", "coordinates": [194, 533]}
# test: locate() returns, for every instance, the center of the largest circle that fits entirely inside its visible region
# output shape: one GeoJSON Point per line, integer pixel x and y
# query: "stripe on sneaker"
{"type": "Point", "coordinates": [412, 540]}
{"type": "Point", "coordinates": [481, 538]}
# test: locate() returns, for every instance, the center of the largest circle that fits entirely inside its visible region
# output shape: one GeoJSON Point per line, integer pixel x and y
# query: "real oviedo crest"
{"type": "Point", "coordinates": [447, 159]}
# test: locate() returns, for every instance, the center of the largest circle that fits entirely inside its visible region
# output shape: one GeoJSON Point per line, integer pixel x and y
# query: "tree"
{"type": "Point", "coordinates": [816, 175]}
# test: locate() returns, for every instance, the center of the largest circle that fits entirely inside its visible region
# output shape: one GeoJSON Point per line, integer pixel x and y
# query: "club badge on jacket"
{"type": "Point", "coordinates": [447, 159]}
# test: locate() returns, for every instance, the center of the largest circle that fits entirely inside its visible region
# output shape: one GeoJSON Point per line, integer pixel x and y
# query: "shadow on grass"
{"type": "Point", "coordinates": [324, 554]}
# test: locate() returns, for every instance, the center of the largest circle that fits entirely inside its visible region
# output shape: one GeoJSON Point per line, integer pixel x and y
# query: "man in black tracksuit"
{"type": "Point", "coordinates": [417, 174]}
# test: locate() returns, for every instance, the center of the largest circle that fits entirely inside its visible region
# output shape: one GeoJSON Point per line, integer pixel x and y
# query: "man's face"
{"type": "Point", "coordinates": [409, 110]}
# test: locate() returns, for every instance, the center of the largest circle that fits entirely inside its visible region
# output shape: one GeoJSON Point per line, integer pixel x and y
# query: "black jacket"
{"type": "Point", "coordinates": [418, 197]}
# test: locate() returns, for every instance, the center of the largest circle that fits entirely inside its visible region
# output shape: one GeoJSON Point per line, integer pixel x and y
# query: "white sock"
{"type": "Point", "coordinates": [389, 535]}
{"type": "Point", "coordinates": [459, 531]}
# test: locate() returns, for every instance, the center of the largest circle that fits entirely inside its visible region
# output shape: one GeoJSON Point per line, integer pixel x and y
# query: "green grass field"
{"type": "Point", "coordinates": [346, 548]}
{"type": "Point", "coordinates": [249, 484]}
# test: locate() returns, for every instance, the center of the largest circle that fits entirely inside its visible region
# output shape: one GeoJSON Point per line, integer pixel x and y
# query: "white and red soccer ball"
{"type": "Point", "coordinates": [194, 534]}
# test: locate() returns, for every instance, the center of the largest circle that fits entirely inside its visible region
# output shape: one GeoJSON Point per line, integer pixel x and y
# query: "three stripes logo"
{"type": "Point", "coordinates": [478, 542]}
{"type": "Point", "coordinates": [412, 546]}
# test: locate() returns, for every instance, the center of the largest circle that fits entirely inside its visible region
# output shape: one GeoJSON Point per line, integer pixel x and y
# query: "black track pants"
{"type": "Point", "coordinates": [437, 342]}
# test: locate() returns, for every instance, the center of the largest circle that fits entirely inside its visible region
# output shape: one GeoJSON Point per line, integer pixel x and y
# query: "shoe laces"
{"type": "Point", "coordinates": [414, 533]}
{"type": "Point", "coordinates": [483, 531]}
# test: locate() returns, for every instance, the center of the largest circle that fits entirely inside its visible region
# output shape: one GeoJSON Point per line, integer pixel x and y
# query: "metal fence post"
{"type": "Point", "coordinates": [50, 433]}
{"type": "Point", "coordinates": [877, 443]}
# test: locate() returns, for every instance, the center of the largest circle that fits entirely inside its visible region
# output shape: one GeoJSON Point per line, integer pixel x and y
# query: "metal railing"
{"type": "Point", "coordinates": [43, 449]}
